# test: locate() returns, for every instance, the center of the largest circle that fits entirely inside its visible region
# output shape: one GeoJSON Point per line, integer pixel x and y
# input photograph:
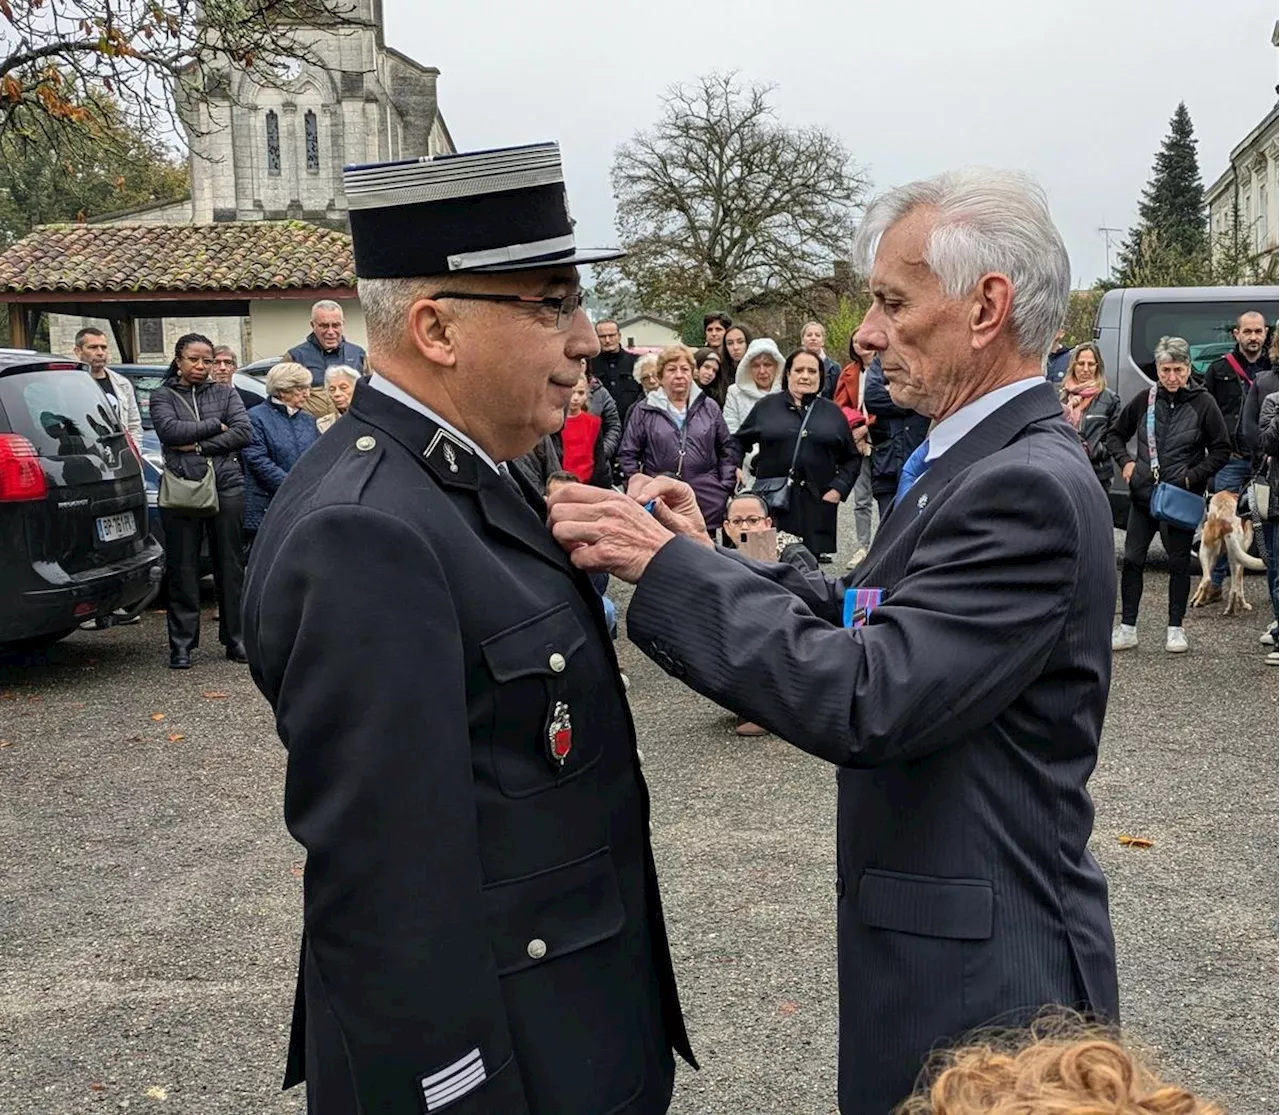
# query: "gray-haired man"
{"type": "Point", "coordinates": [326, 344]}
{"type": "Point", "coordinates": [958, 677]}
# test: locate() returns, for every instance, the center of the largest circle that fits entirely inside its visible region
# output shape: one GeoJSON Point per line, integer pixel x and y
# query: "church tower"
{"type": "Point", "coordinates": [271, 152]}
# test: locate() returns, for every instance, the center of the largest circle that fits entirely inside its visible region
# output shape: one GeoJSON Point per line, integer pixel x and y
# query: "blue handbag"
{"type": "Point", "coordinates": [1169, 503]}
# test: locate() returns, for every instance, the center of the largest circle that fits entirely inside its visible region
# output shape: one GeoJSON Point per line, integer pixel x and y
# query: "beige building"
{"type": "Point", "coordinates": [273, 154]}
{"type": "Point", "coordinates": [1250, 188]}
{"type": "Point", "coordinates": [644, 331]}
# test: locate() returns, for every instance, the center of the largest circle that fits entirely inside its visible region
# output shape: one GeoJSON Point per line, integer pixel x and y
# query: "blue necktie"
{"type": "Point", "coordinates": [915, 468]}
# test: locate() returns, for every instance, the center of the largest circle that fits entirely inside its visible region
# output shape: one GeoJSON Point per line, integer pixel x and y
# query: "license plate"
{"type": "Point", "coordinates": [112, 528]}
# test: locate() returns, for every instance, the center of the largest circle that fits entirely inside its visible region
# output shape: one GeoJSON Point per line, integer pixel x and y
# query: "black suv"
{"type": "Point", "coordinates": [74, 543]}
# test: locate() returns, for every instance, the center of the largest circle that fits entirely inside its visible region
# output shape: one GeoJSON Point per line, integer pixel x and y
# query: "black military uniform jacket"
{"type": "Point", "coordinates": [483, 930]}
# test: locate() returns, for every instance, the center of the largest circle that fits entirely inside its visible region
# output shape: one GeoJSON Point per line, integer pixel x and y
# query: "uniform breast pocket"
{"type": "Point", "coordinates": [538, 740]}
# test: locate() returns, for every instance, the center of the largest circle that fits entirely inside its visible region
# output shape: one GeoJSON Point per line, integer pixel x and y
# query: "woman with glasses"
{"type": "Point", "coordinates": [203, 426]}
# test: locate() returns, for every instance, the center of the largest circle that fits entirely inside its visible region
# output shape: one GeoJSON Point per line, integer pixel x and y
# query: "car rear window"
{"type": "Point", "coordinates": [62, 413]}
{"type": "Point", "coordinates": [1205, 326]}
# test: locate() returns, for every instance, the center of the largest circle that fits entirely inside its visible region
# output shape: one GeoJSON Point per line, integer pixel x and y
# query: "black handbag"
{"type": "Point", "coordinates": [776, 490]}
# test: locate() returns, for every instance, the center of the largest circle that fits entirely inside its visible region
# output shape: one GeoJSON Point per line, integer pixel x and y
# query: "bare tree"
{"type": "Point", "coordinates": [720, 203]}
{"type": "Point", "coordinates": [59, 57]}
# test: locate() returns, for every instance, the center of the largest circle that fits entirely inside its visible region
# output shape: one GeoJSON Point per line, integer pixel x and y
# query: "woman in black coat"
{"type": "Point", "coordinates": [201, 424]}
{"type": "Point", "coordinates": [827, 464]}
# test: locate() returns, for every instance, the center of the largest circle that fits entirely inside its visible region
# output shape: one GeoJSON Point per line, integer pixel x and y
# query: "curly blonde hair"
{"type": "Point", "coordinates": [1055, 1075]}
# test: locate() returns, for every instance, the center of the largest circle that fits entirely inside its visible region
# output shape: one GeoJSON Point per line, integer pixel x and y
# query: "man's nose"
{"type": "Point", "coordinates": [871, 333]}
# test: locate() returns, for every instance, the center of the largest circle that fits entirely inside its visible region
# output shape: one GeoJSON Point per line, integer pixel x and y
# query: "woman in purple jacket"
{"type": "Point", "coordinates": [679, 431]}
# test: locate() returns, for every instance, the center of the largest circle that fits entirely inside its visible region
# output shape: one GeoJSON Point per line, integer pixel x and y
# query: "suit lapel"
{"type": "Point", "coordinates": [993, 433]}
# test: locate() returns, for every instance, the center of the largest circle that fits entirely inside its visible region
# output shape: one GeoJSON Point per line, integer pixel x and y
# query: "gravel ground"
{"type": "Point", "coordinates": [149, 917]}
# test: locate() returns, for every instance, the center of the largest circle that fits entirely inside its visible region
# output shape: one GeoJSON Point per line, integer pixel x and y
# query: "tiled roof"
{"type": "Point", "coordinates": [229, 256]}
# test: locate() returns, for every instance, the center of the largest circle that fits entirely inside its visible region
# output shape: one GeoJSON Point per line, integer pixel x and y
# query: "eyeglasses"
{"type": "Point", "coordinates": [565, 305]}
{"type": "Point", "coordinates": [748, 521]}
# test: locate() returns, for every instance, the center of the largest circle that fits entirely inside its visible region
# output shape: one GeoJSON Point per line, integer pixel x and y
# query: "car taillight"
{"type": "Point", "coordinates": [21, 477]}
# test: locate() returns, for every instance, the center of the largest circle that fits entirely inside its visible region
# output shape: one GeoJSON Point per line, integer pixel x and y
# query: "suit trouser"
{"type": "Point", "coordinates": [1231, 477]}
{"type": "Point", "coordinates": [182, 535]}
{"type": "Point", "coordinates": [1139, 532]}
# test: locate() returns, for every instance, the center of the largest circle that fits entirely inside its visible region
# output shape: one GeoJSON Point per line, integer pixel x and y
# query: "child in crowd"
{"type": "Point", "coordinates": [581, 440]}
{"type": "Point", "coordinates": [599, 581]}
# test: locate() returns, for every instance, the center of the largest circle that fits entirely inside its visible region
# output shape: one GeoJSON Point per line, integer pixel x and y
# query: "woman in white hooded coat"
{"type": "Point", "coordinates": [759, 374]}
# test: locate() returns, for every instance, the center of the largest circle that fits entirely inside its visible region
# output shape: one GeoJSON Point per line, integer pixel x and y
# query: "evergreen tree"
{"type": "Point", "coordinates": [1170, 245]}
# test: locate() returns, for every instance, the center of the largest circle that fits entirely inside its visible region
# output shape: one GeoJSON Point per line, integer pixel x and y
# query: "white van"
{"type": "Point", "coordinates": [1132, 320]}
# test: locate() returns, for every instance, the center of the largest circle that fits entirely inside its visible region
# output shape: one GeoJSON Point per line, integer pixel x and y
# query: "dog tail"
{"type": "Point", "coordinates": [1242, 556]}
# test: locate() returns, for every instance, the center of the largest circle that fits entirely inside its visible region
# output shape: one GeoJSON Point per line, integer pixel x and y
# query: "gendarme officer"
{"type": "Point", "coordinates": [483, 933]}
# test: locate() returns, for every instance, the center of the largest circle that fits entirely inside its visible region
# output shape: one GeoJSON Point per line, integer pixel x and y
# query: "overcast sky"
{"type": "Point", "coordinates": [1076, 92]}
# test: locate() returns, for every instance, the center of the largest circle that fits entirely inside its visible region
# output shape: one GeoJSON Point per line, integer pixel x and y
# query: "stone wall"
{"type": "Point", "coordinates": [233, 331]}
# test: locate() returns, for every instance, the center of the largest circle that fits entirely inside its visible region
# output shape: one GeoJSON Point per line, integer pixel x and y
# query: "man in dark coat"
{"type": "Point", "coordinates": [614, 366]}
{"type": "Point", "coordinates": [326, 346]}
{"type": "Point", "coordinates": [958, 677]}
{"type": "Point", "coordinates": [482, 926]}
{"type": "Point", "coordinates": [1228, 381]}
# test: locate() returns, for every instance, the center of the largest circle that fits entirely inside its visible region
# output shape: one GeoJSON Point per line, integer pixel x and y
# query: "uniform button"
{"type": "Point", "coordinates": [364, 444]}
{"type": "Point", "coordinates": [537, 948]}
{"type": "Point", "coordinates": [556, 662]}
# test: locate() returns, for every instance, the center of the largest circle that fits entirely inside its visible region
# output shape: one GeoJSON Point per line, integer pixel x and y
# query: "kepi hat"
{"type": "Point", "coordinates": [476, 211]}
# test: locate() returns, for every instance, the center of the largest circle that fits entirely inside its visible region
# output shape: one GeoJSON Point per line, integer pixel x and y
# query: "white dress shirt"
{"type": "Point", "coordinates": [952, 428]}
{"type": "Point", "coordinates": [379, 383]}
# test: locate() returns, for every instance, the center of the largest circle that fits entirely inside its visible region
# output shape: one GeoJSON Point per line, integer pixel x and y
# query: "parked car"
{"type": "Point", "coordinates": [145, 378]}
{"type": "Point", "coordinates": [74, 543]}
{"type": "Point", "coordinates": [1131, 321]}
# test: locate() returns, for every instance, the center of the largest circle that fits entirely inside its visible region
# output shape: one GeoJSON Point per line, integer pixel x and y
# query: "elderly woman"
{"type": "Point", "coordinates": [282, 432]}
{"type": "Point", "coordinates": [202, 425]}
{"type": "Point", "coordinates": [1191, 445]}
{"type": "Point", "coordinates": [646, 372]}
{"type": "Point", "coordinates": [340, 382]}
{"type": "Point", "coordinates": [678, 430]}
{"type": "Point", "coordinates": [798, 424]}
{"type": "Point", "coordinates": [1090, 406]}
{"type": "Point", "coordinates": [758, 375]}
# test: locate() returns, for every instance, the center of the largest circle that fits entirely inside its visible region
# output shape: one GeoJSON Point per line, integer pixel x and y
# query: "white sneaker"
{"type": "Point", "coordinates": [1124, 637]}
{"type": "Point", "coordinates": [1176, 641]}
{"type": "Point", "coordinates": [1268, 637]}
{"type": "Point", "coordinates": [1273, 659]}
{"type": "Point", "coordinates": [859, 556]}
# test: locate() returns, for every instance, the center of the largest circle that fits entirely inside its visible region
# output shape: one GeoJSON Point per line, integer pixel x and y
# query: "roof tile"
{"type": "Point", "coordinates": [228, 256]}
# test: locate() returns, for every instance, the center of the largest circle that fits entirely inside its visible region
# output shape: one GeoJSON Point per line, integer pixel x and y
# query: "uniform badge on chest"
{"type": "Point", "coordinates": [559, 734]}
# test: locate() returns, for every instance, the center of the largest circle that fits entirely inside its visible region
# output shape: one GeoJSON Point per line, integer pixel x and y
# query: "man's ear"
{"type": "Point", "coordinates": [992, 308]}
{"type": "Point", "coordinates": [433, 332]}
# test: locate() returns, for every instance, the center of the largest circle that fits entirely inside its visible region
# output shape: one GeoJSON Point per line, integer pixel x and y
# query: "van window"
{"type": "Point", "coordinates": [1205, 326]}
{"type": "Point", "coordinates": [63, 414]}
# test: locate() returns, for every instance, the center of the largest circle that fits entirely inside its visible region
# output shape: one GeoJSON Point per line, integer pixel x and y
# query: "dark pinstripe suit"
{"type": "Point", "coordinates": [965, 720]}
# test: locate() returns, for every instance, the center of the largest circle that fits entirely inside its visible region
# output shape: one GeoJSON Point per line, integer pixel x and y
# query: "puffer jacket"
{"type": "Point", "coordinates": [709, 462]}
{"type": "Point", "coordinates": [894, 436]}
{"type": "Point", "coordinates": [183, 415]}
{"type": "Point", "coordinates": [743, 393]}
{"type": "Point", "coordinates": [1191, 437]}
{"type": "Point", "coordinates": [279, 439]}
{"type": "Point", "coordinates": [1269, 447]}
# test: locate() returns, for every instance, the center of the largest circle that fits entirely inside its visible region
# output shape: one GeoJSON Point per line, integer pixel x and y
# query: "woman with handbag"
{"type": "Point", "coordinates": [1182, 441]}
{"type": "Point", "coordinates": [678, 430]}
{"type": "Point", "coordinates": [808, 461]}
{"type": "Point", "coordinates": [202, 425]}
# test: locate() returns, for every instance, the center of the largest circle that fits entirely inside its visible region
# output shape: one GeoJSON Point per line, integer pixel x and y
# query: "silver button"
{"type": "Point", "coordinates": [556, 662]}
{"type": "Point", "coordinates": [364, 444]}
{"type": "Point", "coordinates": [537, 948]}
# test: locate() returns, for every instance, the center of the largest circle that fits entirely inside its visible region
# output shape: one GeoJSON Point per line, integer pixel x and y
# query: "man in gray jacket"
{"type": "Point", "coordinates": [958, 677]}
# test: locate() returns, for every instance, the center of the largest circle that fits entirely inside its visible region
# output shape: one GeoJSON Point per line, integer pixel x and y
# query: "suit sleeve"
{"type": "Point", "coordinates": [370, 702]}
{"type": "Point", "coordinates": [970, 625]}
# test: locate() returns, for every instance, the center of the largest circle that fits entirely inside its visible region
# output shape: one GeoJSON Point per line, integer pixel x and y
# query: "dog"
{"type": "Point", "coordinates": [1225, 531]}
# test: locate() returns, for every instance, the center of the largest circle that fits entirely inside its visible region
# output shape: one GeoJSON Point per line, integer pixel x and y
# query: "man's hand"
{"type": "Point", "coordinates": [1127, 471]}
{"type": "Point", "coordinates": [830, 496]}
{"type": "Point", "coordinates": [676, 507]}
{"type": "Point", "coordinates": [605, 531]}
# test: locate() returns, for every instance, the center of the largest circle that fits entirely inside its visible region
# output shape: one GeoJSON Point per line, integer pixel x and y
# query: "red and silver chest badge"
{"type": "Point", "coordinates": [559, 734]}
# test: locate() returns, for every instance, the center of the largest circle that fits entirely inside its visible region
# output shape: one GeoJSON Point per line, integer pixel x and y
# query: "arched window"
{"type": "Point", "coordinates": [273, 142]}
{"type": "Point", "coordinates": [313, 141]}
